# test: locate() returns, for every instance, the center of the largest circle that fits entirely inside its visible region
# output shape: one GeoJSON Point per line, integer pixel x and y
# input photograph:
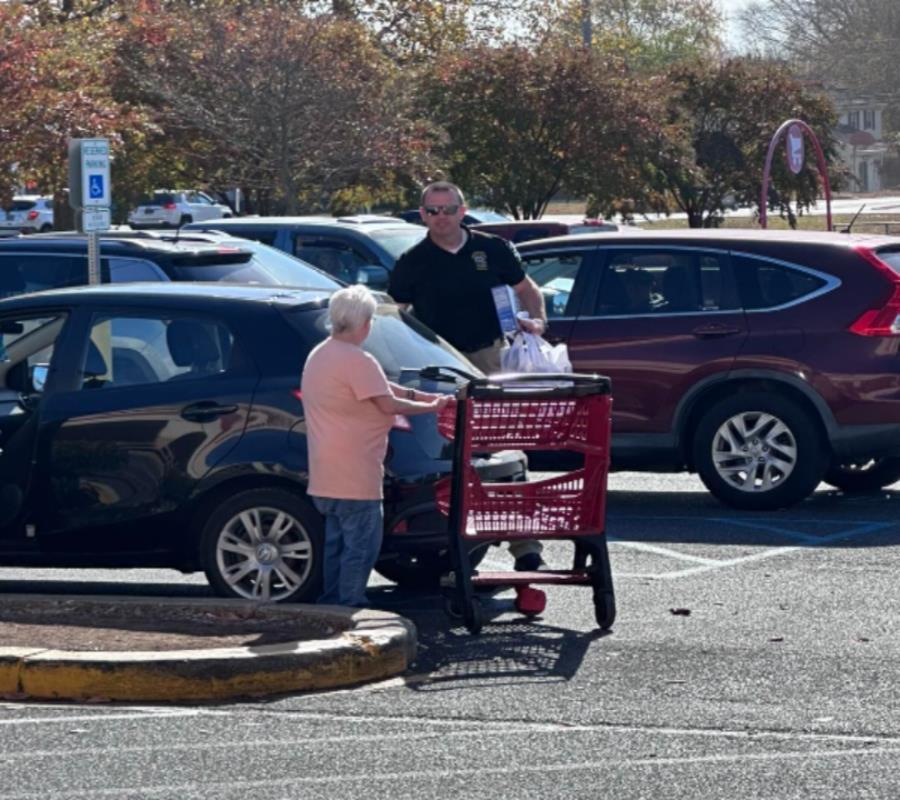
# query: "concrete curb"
{"type": "Point", "coordinates": [367, 645]}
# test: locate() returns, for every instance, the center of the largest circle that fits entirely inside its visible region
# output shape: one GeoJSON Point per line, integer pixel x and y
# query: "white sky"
{"type": "Point", "coordinates": [731, 8]}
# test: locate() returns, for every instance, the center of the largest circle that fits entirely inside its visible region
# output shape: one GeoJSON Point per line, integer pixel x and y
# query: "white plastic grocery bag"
{"type": "Point", "coordinates": [529, 352]}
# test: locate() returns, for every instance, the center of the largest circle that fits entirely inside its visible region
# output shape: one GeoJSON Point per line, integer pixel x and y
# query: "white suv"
{"type": "Point", "coordinates": [29, 213]}
{"type": "Point", "coordinates": [171, 209]}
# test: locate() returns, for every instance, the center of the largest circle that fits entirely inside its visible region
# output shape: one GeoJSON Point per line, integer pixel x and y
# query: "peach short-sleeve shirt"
{"type": "Point", "coordinates": [347, 434]}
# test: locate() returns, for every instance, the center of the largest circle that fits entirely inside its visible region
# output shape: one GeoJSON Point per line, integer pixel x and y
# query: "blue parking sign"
{"type": "Point", "coordinates": [95, 187]}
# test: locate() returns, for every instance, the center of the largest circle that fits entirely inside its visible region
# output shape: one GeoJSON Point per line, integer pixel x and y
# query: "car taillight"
{"type": "Point", "coordinates": [169, 206]}
{"type": "Point", "coordinates": [32, 215]}
{"type": "Point", "coordinates": [298, 394]}
{"type": "Point", "coordinates": [885, 319]}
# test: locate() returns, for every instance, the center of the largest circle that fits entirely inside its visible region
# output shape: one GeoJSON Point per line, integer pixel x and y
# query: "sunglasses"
{"type": "Point", "coordinates": [447, 211]}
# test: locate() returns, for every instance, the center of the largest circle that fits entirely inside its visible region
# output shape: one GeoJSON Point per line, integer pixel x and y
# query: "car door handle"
{"type": "Point", "coordinates": [714, 330]}
{"type": "Point", "coordinates": [206, 411]}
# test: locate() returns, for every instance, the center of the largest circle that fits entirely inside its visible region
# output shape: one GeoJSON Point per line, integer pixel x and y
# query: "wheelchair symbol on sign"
{"type": "Point", "coordinates": [95, 187]}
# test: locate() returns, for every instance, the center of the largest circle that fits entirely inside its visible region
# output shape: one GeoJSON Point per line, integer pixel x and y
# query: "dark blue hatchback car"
{"type": "Point", "coordinates": [160, 425]}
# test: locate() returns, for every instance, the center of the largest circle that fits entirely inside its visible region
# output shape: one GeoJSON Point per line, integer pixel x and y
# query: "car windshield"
{"type": "Point", "coordinates": [398, 240]}
{"type": "Point", "coordinates": [265, 267]}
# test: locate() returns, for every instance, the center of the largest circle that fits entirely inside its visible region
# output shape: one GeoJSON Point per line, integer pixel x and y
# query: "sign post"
{"type": "Point", "coordinates": [90, 194]}
{"type": "Point", "coordinates": [795, 129]}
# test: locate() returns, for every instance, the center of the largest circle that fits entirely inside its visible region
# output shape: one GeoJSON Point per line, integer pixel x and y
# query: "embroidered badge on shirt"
{"type": "Point", "coordinates": [480, 259]}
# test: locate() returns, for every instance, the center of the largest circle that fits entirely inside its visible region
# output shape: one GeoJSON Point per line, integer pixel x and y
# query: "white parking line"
{"type": "Point", "coordinates": [860, 528]}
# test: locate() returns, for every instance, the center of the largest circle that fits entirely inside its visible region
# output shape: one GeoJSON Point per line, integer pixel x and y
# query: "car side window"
{"type": "Point", "coordinates": [555, 276]}
{"type": "Point", "coordinates": [140, 350]}
{"type": "Point", "coordinates": [765, 284]}
{"type": "Point", "coordinates": [26, 345]}
{"type": "Point", "coordinates": [335, 258]}
{"type": "Point", "coordinates": [128, 270]}
{"type": "Point", "coordinates": [658, 282]}
{"type": "Point", "coordinates": [36, 272]}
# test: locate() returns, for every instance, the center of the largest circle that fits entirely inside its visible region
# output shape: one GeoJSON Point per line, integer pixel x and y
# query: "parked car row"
{"type": "Point", "coordinates": [153, 423]}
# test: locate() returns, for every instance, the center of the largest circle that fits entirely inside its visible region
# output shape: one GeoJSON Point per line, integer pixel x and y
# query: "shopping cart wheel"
{"type": "Point", "coordinates": [605, 609]}
{"type": "Point", "coordinates": [530, 601]}
{"type": "Point", "coordinates": [453, 608]}
{"type": "Point", "coordinates": [474, 617]}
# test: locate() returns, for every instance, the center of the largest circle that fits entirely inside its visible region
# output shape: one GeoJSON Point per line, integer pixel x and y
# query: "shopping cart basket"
{"type": "Point", "coordinates": [528, 412]}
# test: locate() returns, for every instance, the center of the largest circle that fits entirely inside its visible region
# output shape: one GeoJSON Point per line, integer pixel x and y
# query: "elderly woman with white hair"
{"type": "Point", "coordinates": [350, 406]}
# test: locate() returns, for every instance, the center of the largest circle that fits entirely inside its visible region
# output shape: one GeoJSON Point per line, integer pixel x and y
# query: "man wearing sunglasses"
{"type": "Point", "coordinates": [448, 279]}
{"type": "Point", "coordinates": [449, 275]}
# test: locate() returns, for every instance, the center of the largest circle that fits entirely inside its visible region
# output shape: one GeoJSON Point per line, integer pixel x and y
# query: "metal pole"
{"type": "Point", "coordinates": [93, 258]}
{"type": "Point", "coordinates": [822, 164]}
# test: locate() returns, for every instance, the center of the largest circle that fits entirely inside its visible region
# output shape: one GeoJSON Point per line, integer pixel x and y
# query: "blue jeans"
{"type": "Point", "coordinates": [353, 531]}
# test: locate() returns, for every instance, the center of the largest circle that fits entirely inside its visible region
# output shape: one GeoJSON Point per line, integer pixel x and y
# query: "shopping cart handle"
{"type": "Point", "coordinates": [435, 373]}
{"type": "Point", "coordinates": [557, 384]}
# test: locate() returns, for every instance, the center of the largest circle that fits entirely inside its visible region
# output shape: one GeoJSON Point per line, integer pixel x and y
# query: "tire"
{"type": "Point", "coordinates": [424, 573]}
{"type": "Point", "coordinates": [759, 451]}
{"type": "Point", "coordinates": [865, 475]}
{"type": "Point", "coordinates": [283, 565]}
{"type": "Point", "coordinates": [46, 227]}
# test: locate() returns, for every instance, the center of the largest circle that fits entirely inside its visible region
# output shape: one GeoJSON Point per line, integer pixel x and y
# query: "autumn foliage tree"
{"type": "Point", "coordinates": [53, 87]}
{"type": "Point", "coordinates": [272, 99]}
{"type": "Point", "coordinates": [522, 124]}
{"type": "Point", "coordinates": [719, 121]}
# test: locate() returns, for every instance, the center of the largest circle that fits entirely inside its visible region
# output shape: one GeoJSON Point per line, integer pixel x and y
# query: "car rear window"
{"type": "Point", "coordinates": [398, 341]}
{"type": "Point", "coordinates": [397, 242]}
{"type": "Point", "coordinates": [22, 205]}
{"type": "Point", "coordinates": [241, 266]}
{"type": "Point", "coordinates": [158, 199]}
{"type": "Point", "coordinates": [891, 258]}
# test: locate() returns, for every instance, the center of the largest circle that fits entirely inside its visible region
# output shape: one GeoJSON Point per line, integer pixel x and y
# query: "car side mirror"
{"type": "Point", "coordinates": [39, 373]}
{"type": "Point", "coordinates": [374, 276]}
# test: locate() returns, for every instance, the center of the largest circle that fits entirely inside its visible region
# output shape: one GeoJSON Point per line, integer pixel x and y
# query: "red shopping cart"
{"type": "Point", "coordinates": [528, 412]}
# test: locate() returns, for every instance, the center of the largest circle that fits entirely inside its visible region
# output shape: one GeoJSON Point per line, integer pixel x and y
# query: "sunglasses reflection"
{"type": "Point", "coordinates": [447, 211]}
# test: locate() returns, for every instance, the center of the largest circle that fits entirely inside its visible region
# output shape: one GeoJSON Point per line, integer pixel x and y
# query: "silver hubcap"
{"type": "Point", "coordinates": [264, 554]}
{"type": "Point", "coordinates": [754, 451]}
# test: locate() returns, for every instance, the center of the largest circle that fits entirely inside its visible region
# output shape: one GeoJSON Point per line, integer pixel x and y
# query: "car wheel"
{"type": "Point", "coordinates": [865, 475]}
{"type": "Point", "coordinates": [46, 227]}
{"type": "Point", "coordinates": [421, 571]}
{"type": "Point", "coordinates": [263, 544]}
{"type": "Point", "coordinates": [185, 220]}
{"type": "Point", "coordinates": [759, 451]}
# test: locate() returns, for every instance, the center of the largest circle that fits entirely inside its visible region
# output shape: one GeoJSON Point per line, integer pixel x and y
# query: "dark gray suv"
{"type": "Point", "coordinates": [356, 249]}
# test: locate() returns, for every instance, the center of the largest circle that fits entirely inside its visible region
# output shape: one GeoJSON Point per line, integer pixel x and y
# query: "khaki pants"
{"type": "Point", "coordinates": [489, 361]}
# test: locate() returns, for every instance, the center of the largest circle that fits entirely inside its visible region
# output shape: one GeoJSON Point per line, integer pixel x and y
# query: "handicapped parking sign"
{"type": "Point", "coordinates": [95, 187]}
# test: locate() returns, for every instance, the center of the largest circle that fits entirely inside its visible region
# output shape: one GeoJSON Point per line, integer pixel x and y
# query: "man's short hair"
{"type": "Point", "coordinates": [443, 186]}
{"type": "Point", "coordinates": [351, 308]}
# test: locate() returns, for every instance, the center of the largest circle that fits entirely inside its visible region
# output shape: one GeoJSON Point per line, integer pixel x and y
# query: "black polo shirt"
{"type": "Point", "coordinates": [451, 292]}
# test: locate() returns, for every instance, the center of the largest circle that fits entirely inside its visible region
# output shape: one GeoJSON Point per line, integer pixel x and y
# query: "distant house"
{"type": "Point", "coordinates": [859, 136]}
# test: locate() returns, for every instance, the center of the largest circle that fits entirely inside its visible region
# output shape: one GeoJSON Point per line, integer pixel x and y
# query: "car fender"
{"type": "Point", "coordinates": [688, 404]}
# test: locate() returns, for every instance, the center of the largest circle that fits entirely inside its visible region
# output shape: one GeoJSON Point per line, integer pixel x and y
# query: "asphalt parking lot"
{"type": "Point", "coordinates": [754, 656]}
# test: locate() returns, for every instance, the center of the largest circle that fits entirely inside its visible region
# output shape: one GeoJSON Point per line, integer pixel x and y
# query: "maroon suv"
{"type": "Point", "coordinates": [763, 360]}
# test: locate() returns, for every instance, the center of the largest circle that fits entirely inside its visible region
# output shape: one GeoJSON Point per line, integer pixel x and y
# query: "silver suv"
{"type": "Point", "coordinates": [171, 209]}
{"type": "Point", "coordinates": [29, 213]}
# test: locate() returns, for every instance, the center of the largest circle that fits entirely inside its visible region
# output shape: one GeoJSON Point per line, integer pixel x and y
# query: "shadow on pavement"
{"type": "Point", "coordinates": [510, 648]}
